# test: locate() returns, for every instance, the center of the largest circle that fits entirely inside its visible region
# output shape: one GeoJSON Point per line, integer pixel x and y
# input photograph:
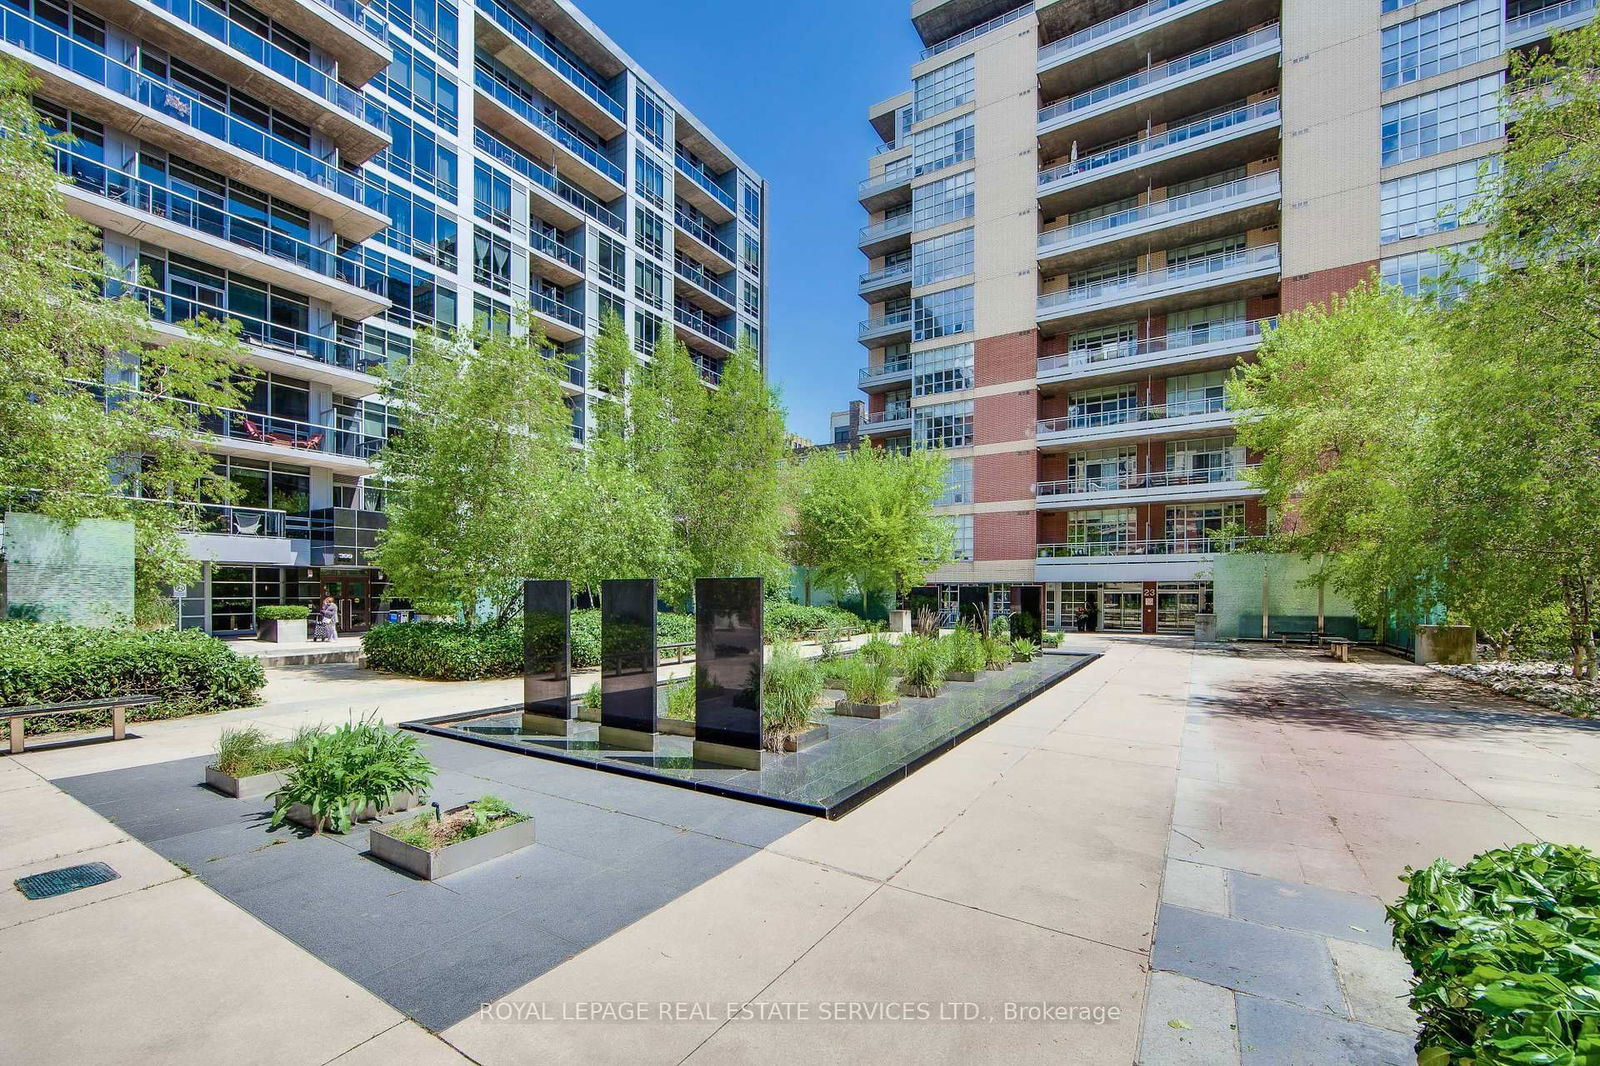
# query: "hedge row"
{"type": "Point", "coordinates": [52, 663]}
{"type": "Point", "coordinates": [789, 621]}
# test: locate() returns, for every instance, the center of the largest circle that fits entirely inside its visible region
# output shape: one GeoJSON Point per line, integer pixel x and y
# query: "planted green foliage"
{"type": "Point", "coordinates": [1051, 639]}
{"type": "Point", "coordinates": [923, 665]}
{"type": "Point", "coordinates": [282, 612]}
{"type": "Point", "coordinates": [358, 765]}
{"type": "Point", "coordinates": [481, 816]}
{"type": "Point", "coordinates": [790, 687]}
{"type": "Point", "coordinates": [680, 700]}
{"type": "Point", "coordinates": [790, 621]}
{"type": "Point", "coordinates": [453, 651]}
{"type": "Point", "coordinates": [591, 698]}
{"type": "Point", "coordinates": [879, 649]}
{"type": "Point", "coordinates": [997, 654]}
{"type": "Point", "coordinates": [1024, 648]}
{"type": "Point", "coordinates": [965, 651]}
{"type": "Point", "coordinates": [835, 668]}
{"type": "Point", "coordinates": [869, 681]}
{"type": "Point", "coordinates": [249, 750]}
{"type": "Point", "coordinates": [1505, 953]}
{"type": "Point", "coordinates": [192, 673]}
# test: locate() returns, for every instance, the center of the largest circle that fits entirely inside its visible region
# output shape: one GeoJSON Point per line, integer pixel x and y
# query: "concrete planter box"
{"type": "Point", "coordinates": [794, 742]}
{"type": "Point", "coordinates": [907, 690]}
{"type": "Point", "coordinates": [899, 621]}
{"type": "Point", "coordinates": [300, 814]}
{"type": "Point", "coordinates": [1205, 628]}
{"type": "Point", "coordinates": [282, 631]}
{"type": "Point", "coordinates": [963, 675]}
{"type": "Point", "coordinates": [1020, 658]}
{"type": "Point", "coordinates": [588, 714]}
{"type": "Point", "coordinates": [244, 787]}
{"type": "Point", "coordinates": [452, 858]}
{"type": "Point", "coordinates": [674, 727]}
{"type": "Point", "coordinates": [866, 710]}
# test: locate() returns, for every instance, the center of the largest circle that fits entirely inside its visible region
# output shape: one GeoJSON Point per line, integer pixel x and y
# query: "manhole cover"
{"type": "Point", "coordinates": [67, 879]}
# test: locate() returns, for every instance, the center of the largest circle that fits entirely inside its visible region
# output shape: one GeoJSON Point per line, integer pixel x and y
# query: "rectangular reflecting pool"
{"type": "Point", "coordinates": [860, 757]}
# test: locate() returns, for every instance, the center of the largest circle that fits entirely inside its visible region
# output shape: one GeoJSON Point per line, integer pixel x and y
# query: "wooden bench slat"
{"type": "Point", "coordinates": [79, 705]}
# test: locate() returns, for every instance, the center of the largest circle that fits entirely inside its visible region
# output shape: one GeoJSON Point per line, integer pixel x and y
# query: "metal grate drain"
{"type": "Point", "coordinates": [67, 879]}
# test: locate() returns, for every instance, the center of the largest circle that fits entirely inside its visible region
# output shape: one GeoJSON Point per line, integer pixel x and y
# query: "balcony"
{"type": "Point", "coordinates": [88, 80]}
{"type": "Point", "coordinates": [214, 532]}
{"type": "Point", "coordinates": [1114, 558]}
{"type": "Point", "coordinates": [977, 31]}
{"type": "Point", "coordinates": [891, 187]}
{"type": "Point", "coordinates": [888, 283]}
{"type": "Point", "coordinates": [701, 327]}
{"type": "Point", "coordinates": [521, 48]}
{"type": "Point", "coordinates": [1229, 70]}
{"type": "Point", "coordinates": [1230, 138]}
{"type": "Point", "coordinates": [1215, 483]}
{"type": "Point", "coordinates": [1207, 348]}
{"type": "Point", "coordinates": [556, 199]}
{"type": "Point", "coordinates": [121, 203]}
{"type": "Point", "coordinates": [703, 244]}
{"type": "Point", "coordinates": [702, 288]}
{"type": "Point", "coordinates": [344, 29]}
{"type": "Point", "coordinates": [561, 321]}
{"type": "Point", "coordinates": [1210, 279]}
{"type": "Point", "coordinates": [892, 234]}
{"type": "Point", "coordinates": [889, 329]}
{"type": "Point", "coordinates": [1110, 422]}
{"type": "Point", "coordinates": [886, 375]}
{"type": "Point", "coordinates": [702, 190]}
{"type": "Point", "coordinates": [1233, 207]}
{"type": "Point", "coordinates": [1097, 53]}
{"type": "Point", "coordinates": [517, 119]}
{"type": "Point", "coordinates": [550, 259]}
{"type": "Point", "coordinates": [896, 418]}
{"type": "Point", "coordinates": [1557, 18]}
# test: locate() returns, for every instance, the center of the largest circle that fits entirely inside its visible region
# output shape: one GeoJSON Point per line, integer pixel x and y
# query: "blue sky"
{"type": "Point", "coordinates": [787, 86]}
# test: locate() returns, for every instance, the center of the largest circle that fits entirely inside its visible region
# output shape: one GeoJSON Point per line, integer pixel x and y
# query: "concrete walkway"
{"type": "Point", "coordinates": [1177, 855]}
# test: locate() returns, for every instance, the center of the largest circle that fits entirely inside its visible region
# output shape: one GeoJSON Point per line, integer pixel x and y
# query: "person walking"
{"type": "Point", "coordinates": [327, 620]}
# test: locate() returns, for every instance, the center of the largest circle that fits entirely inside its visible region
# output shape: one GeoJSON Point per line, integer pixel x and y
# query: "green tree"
{"type": "Point", "coordinates": [864, 520]}
{"type": "Point", "coordinates": [96, 404]}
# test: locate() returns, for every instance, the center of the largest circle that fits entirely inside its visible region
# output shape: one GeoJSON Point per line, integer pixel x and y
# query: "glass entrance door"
{"type": "Point", "coordinates": [352, 594]}
{"type": "Point", "coordinates": [1176, 606]}
{"type": "Point", "coordinates": [1122, 608]}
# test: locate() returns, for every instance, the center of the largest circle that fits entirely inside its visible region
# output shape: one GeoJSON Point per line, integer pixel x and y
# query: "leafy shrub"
{"type": "Point", "coordinates": [358, 765]}
{"type": "Point", "coordinates": [790, 687]}
{"type": "Point", "coordinates": [790, 621]}
{"type": "Point", "coordinates": [1051, 639]}
{"type": "Point", "coordinates": [923, 663]}
{"type": "Point", "coordinates": [52, 663]}
{"type": "Point", "coordinates": [1023, 648]}
{"type": "Point", "coordinates": [283, 612]}
{"type": "Point", "coordinates": [835, 668]}
{"type": "Point", "coordinates": [249, 750]}
{"type": "Point", "coordinates": [1023, 626]}
{"type": "Point", "coordinates": [1503, 952]}
{"type": "Point", "coordinates": [680, 700]}
{"type": "Point", "coordinates": [869, 681]}
{"type": "Point", "coordinates": [592, 698]}
{"type": "Point", "coordinates": [877, 649]}
{"type": "Point", "coordinates": [480, 816]}
{"type": "Point", "coordinates": [454, 651]}
{"type": "Point", "coordinates": [997, 654]}
{"type": "Point", "coordinates": [964, 651]}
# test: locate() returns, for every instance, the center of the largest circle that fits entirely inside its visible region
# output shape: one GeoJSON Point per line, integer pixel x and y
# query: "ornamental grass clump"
{"type": "Point", "coordinates": [1050, 639]}
{"type": "Point", "coordinates": [879, 649]}
{"type": "Point", "coordinates": [249, 751]}
{"type": "Point", "coordinates": [923, 665]}
{"type": "Point", "coordinates": [870, 681]}
{"type": "Point", "coordinates": [997, 653]}
{"type": "Point", "coordinates": [680, 700]}
{"type": "Point", "coordinates": [790, 688]}
{"type": "Point", "coordinates": [1505, 953]}
{"type": "Point", "coordinates": [965, 651]}
{"type": "Point", "coordinates": [340, 773]}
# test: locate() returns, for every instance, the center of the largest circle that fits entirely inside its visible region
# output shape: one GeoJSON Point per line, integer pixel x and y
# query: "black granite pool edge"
{"type": "Point", "coordinates": [837, 807]}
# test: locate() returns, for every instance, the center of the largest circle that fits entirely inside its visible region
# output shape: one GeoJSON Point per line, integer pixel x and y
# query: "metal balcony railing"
{"type": "Point", "coordinates": [889, 227]}
{"type": "Point", "coordinates": [893, 413]}
{"type": "Point", "coordinates": [1116, 546]}
{"type": "Point", "coordinates": [874, 278]}
{"type": "Point", "coordinates": [344, 437]}
{"type": "Point", "coordinates": [892, 369]}
{"type": "Point", "coordinates": [696, 274]}
{"type": "Point", "coordinates": [1153, 76]}
{"type": "Point", "coordinates": [1132, 480]}
{"type": "Point", "coordinates": [507, 96]}
{"type": "Point", "coordinates": [1111, 413]}
{"type": "Point", "coordinates": [1218, 197]}
{"type": "Point", "coordinates": [893, 177]}
{"type": "Point", "coordinates": [1167, 139]}
{"type": "Point", "coordinates": [1522, 24]}
{"type": "Point", "coordinates": [538, 175]}
{"type": "Point", "coordinates": [530, 39]}
{"type": "Point", "coordinates": [1205, 270]}
{"type": "Point", "coordinates": [977, 31]}
{"type": "Point", "coordinates": [702, 233]}
{"type": "Point", "coordinates": [704, 179]}
{"type": "Point", "coordinates": [228, 520]}
{"type": "Point", "coordinates": [1100, 30]}
{"type": "Point", "coordinates": [1173, 343]}
{"type": "Point", "coordinates": [888, 323]}
{"type": "Point", "coordinates": [696, 320]}
{"type": "Point", "coordinates": [355, 12]}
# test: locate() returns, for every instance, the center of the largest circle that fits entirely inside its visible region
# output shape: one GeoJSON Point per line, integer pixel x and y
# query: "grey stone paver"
{"type": "Point", "coordinates": [1188, 1023]}
{"type": "Point", "coordinates": [1308, 908]}
{"type": "Point", "coordinates": [1246, 957]}
{"type": "Point", "coordinates": [1376, 983]}
{"type": "Point", "coordinates": [1195, 887]}
{"type": "Point", "coordinates": [1277, 1034]}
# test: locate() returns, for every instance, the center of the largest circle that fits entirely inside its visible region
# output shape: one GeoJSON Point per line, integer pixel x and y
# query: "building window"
{"type": "Point", "coordinates": [961, 536]}
{"type": "Point", "coordinates": [613, 263]}
{"type": "Point", "coordinates": [750, 254]}
{"type": "Point", "coordinates": [750, 201]}
{"type": "Point", "coordinates": [942, 146]}
{"type": "Point", "coordinates": [649, 232]}
{"type": "Point", "coordinates": [751, 303]}
{"type": "Point", "coordinates": [751, 336]}
{"type": "Point", "coordinates": [943, 425]}
{"type": "Point", "coordinates": [1418, 273]}
{"type": "Point", "coordinates": [940, 90]}
{"type": "Point", "coordinates": [1440, 41]}
{"type": "Point", "coordinates": [942, 370]}
{"type": "Point", "coordinates": [650, 119]}
{"type": "Point", "coordinates": [648, 283]}
{"type": "Point", "coordinates": [646, 330]}
{"type": "Point", "coordinates": [942, 258]}
{"type": "Point", "coordinates": [957, 484]}
{"type": "Point", "coordinates": [1111, 525]}
{"type": "Point", "coordinates": [944, 200]}
{"type": "Point", "coordinates": [650, 180]}
{"type": "Point", "coordinates": [1430, 202]}
{"type": "Point", "coordinates": [1197, 394]}
{"type": "Point", "coordinates": [942, 314]}
{"type": "Point", "coordinates": [1194, 525]}
{"type": "Point", "coordinates": [1196, 325]}
{"type": "Point", "coordinates": [491, 261]}
{"type": "Point", "coordinates": [1443, 120]}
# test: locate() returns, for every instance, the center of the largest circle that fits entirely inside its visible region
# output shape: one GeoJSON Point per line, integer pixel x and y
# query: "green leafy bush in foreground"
{"type": "Point", "coordinates": [283, 612]}
{"type": "Point", "coordinates": [790, 621]}
{"type": "Point", "coordinates": [343, 771]}
{"type": "Point", "coordinates": [454, 651]}
{"type": "Point", "coordinates": [54, 663]}
{"type": "Point", "coordinates": [790, 687]}
{"type": "Point", "coordinates": [1505, 953]}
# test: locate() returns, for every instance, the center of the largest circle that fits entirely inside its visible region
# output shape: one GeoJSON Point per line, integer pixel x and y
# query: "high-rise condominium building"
{"type": "Point", "coordinates": [335, 176]}
{"type": "Point", "coordinates": [1081, 216]}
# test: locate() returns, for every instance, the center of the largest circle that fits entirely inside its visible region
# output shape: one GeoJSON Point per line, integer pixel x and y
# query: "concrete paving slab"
{"type": "Point", "coordinates": [1376, 983]}
{"type": "Point", "coordinates": [1258, 959]}
{"type": "Point", "coordinates": [137, 868]}
{"type": "Point", "coordinates": [1188, 1023]}
{"type": "Point", "coordinates": [1195, 887]}
{"type": "Point", "coordinates": [1277, 1034]}
{"type": "Point", "coordinates": [1308, 908]}
{"type": "Point", "coordinates": [38, 824]}
{"type": "Point", "coordinates": [406, 1043]}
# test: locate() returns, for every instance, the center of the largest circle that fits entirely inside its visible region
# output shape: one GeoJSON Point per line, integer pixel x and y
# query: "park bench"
{"type": "Point", "coordinates": [1339, 648]}
{"type": "Point", "coordinates": [1304, 636]}
{"type": "Point", "coordinates": [119, 705]}
{"type": "Point", "coordinates": [677, 652]}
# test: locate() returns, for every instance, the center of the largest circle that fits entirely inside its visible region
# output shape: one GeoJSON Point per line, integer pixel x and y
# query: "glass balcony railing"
{"type": "Point", "coordinates": [1119, 413]}
{"type": "Point", "coordinates": [173, 103]}
{"type": "Point", "coordinates": [696, 319]}
{"type": "Point", "coordinates": [691, 271]}
{"type": "Point", "coordinates": [873, 279]}
{"type": "Point", "coordinates": [508, 97]}
{"type": "Point", "coordinates": [488, 143]}
{"type": "Point", "coordinates": [889, 227]}
{"type": "Point", "coordinates": [1533, 20]}
{"type": "Point", "coordinates": [1201, 544]}
{"type": "Point", "coordinates": [548, 305]}
{"type": "Point", "coordinates": [704, 179]}
{"type": "Point", "coordinates": [895, 412]}
{"type": "Point", "coordinates": [1101, 30]}
{"type": "Point", "coordinates": [214, 24]}
{"type": "Point", "coordinates": [344, 438]}
{"type": "Point", "coordinates": [895, 323]}
{"type": "Point", "coordinates": [1174, 344]}
{"type": "Point", "coordinates": [895, 368]}
{"type": "Point", "coordinates": [1218, 197]}
{"type": "Point", "coordinates": [1177, 68]}
{"type": "Point", "coordinates": [355, 12]}
{"type": "Point", "coordinates": [1131, 480]}
{"type": "Point", "coordinates": [548, 245]}
{"type": "Point", "coordinates": [977, 31]}
{"type": "Point", "coordinates": [1171, 138]}
{"type": "Point", "coordinates": [893, 177]}
{"type": "Point", "coordinates": [228, 520]}
{"type": "Point", "coordinates": [123, 188]}
{"type": "Point", "coordinates": [702, 233]}
{"type": "Point", "coordinates": [1206, 269]}
{"type": "Point", "coordinates": [530, 39]}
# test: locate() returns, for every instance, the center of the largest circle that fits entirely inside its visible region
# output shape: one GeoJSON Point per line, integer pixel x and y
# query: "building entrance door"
{"type": "Point", "coordinates": [1122, 608]}
{"type": "Point", "coordinates": [1176, 606]}
{"type": "Point", "coordinates": [352, 594]}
